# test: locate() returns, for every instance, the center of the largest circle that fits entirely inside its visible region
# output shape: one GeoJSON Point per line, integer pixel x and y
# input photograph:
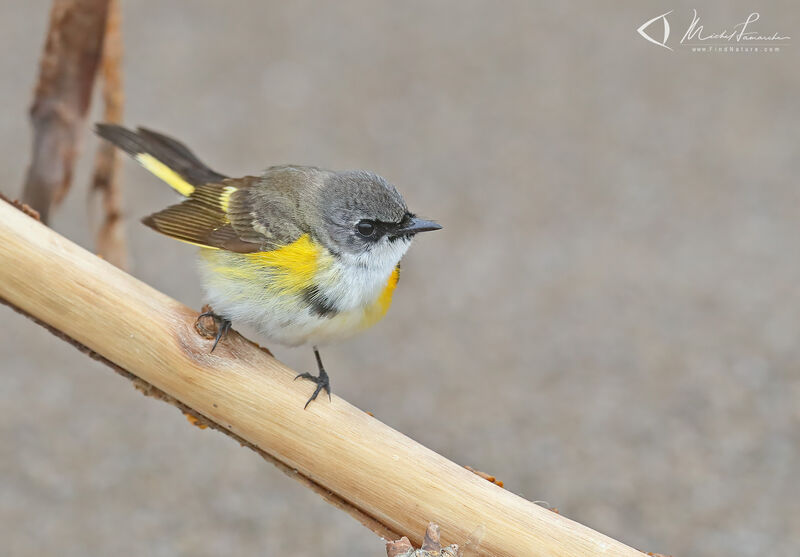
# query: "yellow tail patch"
{"type": "Point", "coordinates": [164, 172]}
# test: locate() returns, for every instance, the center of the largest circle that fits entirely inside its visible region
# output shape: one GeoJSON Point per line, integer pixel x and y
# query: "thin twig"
{"type": "Point", "coordinates": [106, 182]}
{"type": "Point", "coordinates": [61, 99]}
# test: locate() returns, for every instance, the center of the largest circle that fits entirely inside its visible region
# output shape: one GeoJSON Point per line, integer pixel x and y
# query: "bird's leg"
{"type": "Point", "coordinates": [223, 325]}
{"type": "Point", "coordinates": [322, 380]}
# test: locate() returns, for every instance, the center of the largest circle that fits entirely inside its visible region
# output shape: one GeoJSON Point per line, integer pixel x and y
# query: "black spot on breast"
{"type": "Point", "coordinates": [318, 303]}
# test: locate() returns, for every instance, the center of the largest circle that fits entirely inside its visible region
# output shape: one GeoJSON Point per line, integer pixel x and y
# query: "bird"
{"type": "Point", "coordinates": [303, 254]}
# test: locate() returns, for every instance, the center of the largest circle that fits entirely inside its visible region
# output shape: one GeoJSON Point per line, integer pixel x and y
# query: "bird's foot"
{"type": "Point", "coordinates": [322, 380]}
{"type": "Point", "coordinates": [222, 324]}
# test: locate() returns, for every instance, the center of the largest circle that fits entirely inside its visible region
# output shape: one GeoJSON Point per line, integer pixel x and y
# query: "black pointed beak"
{"type": "Point", "coordinates": [415, 225]}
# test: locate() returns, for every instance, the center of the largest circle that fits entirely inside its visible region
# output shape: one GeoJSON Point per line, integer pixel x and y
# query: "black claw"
{"type": "Point", "coordinates": [322, 380]}
{"type": "Point", "coordinates": [223, 326]}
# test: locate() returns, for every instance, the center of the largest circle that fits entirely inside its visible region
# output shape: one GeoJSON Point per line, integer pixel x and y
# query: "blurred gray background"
{"type": "Point", "coordinates": [609, 320]}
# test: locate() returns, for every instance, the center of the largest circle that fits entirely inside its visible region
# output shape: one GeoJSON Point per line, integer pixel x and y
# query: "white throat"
{"type": "Point", "coordinates": [356, 280]}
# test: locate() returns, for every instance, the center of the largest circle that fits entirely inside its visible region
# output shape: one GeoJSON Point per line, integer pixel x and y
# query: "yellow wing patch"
{"type": "Point", "coordinates": [165, 173]}
{"type": "Point", "coordinates": [225, 197]}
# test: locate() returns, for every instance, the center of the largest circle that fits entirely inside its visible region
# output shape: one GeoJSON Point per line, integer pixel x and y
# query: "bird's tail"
{"type": "Point", "coordinates": [165, 157]}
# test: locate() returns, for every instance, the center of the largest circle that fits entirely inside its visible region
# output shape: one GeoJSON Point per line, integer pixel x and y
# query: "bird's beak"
{"type": "Point", "coordinates": [414, 225]}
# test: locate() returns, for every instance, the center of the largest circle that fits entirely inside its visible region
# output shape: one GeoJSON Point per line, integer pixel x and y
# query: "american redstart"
{"type": "Point", "coordinates": [306, 255]}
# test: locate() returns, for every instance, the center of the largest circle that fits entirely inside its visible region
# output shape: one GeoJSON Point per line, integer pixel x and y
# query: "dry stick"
{"type": "Point", "coordinates": [111, 236]}
{"type": "Point", "coordinates": [241, 388]}
{"type": "Point", "coordinates": [61, 100]}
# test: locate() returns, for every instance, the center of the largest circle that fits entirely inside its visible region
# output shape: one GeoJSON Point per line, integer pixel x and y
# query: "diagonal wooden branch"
{"type": "Point", "coordinates": [393, 484]}
{"type": "Point", "coordinates": [61, 100]}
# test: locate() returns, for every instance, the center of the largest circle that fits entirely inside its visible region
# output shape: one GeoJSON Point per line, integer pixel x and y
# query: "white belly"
{"type": "Point", "coordinates": [240, 292]}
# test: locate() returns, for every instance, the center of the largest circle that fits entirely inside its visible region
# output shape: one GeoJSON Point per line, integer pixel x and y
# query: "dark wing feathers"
{"type": "Point", "coordinates": [203, 219]}
{"type": "Point", "coordinates": [220, 212]}
{"type": "Point", "coordinates": [169, 151]}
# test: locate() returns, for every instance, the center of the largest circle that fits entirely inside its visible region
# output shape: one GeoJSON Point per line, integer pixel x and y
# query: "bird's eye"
{"type": "Point", "coordinates": [366, 228]}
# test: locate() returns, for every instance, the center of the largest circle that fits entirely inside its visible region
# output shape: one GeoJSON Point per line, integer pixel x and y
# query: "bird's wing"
{"type": "Point", "coordinates": [223, 216]}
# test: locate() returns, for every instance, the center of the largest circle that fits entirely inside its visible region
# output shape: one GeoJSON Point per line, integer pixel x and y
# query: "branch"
{"type": "Point", "coordinates": [110, 237]}
{"type": "Point", "coordinates": [63, 93]}
{"type": "Point", "coordinates": [391, 483]}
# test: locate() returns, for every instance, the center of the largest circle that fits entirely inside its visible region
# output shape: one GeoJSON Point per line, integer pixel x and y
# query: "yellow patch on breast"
{"type": "Point", "coordinates": [293, 266]}
{"type": "Point", "coordinates": [375, 311]}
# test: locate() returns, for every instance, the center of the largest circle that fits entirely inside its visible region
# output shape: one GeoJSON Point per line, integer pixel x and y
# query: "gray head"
{"type": "Point", "coordinates": [365, 217]}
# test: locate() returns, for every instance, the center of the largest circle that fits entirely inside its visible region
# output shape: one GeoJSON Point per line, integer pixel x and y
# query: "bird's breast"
{"type": "Point", "coordinates": [298, 293]}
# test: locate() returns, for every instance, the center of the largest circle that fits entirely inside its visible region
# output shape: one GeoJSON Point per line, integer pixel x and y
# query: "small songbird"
{"type": "Point", "coordinates": [305, 255]}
